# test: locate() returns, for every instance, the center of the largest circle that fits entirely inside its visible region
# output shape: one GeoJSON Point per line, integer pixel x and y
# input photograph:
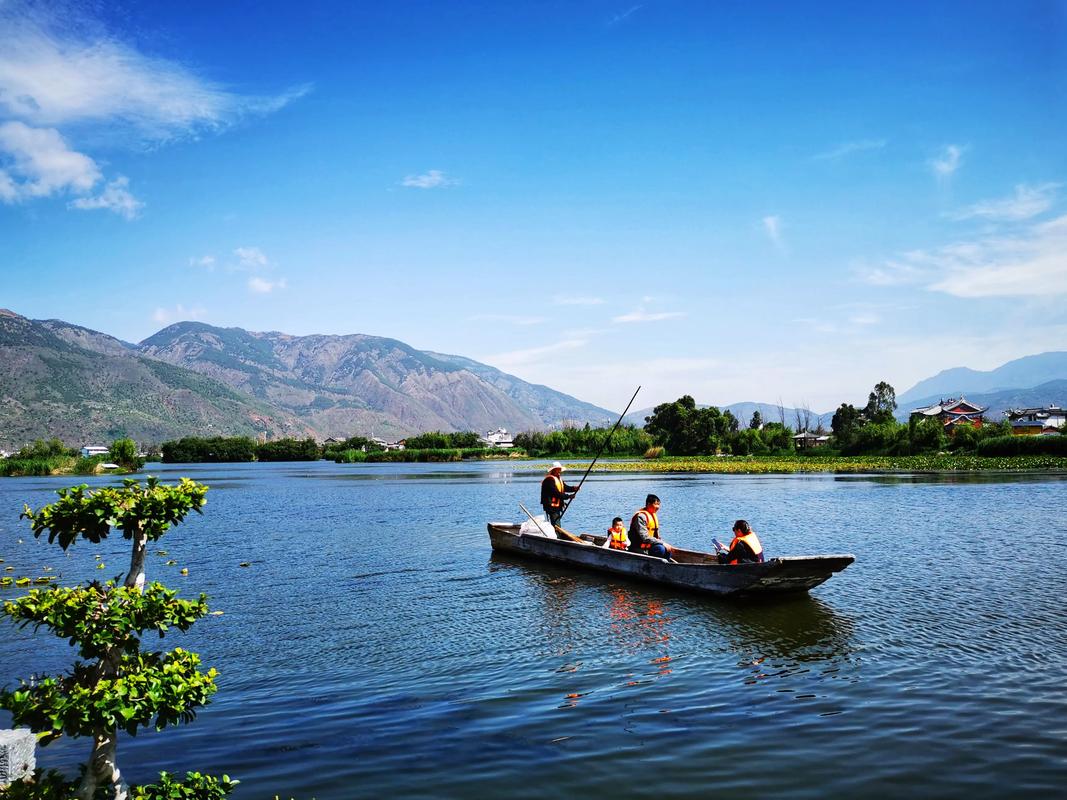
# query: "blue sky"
{"type": "Point", "coordinates": [738, 201]}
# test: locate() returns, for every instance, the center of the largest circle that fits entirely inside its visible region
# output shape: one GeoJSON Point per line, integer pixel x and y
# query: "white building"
{"type": "Point", "coordinates": [91, 450]}
{"type": "Point", "coordinates": [498, 438]}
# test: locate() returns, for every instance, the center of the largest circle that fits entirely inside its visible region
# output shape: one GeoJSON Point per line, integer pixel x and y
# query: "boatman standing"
{"type": "Point", "coordinates": [644, 531]}
{"type": "Point", "coordinates": [554, 491]}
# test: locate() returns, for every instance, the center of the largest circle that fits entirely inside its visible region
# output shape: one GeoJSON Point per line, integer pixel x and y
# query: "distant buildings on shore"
{"type": "Point", "coordinates": [953, 413]}
{"type": "Point", "coordinates": [1036, 421]}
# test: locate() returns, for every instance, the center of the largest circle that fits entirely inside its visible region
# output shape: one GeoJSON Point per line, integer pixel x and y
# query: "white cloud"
{"type": "Point", "coordinates": [1031, 262]}
{"type": "Point", "coordinates": [116, 197]}
{"type": "Point", "coordinates": [510, 319]}
{"type": "Point", "coordinates": [250, 257]}
{"type": "Point", "coordinates": [41, 164]}
{"type": "Point", "coordinates": [263, 286]}
{"type": "Point", "coordinates": [641, 315]}
{"type": "Point", "coordinates": [59, 66]}
{"type": "Point", "coordinates": [433, 179]}
{"type": "Point", "coordinates": [772, 226]}
{"type": "Point", "coordinates": [534, 355]}
{"type": "Point", "coordinates": [207, 262]}
{"type": "Point", "coordinates": [849, 148]}
{"type": "Point", "coordinates": [1027, 202]}
{"type": "Point", "coordinates": [947, 162]}
{"type": "Point", "coordinates": [165, 316]}
{"type": "Point", "coordinates": [572, 300]}
{"type": "Point", "coordinates": [623, 16]}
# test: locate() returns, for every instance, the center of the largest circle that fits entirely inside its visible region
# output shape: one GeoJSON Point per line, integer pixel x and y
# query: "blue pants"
{"type": "Point", "coordinates": [657, 550]}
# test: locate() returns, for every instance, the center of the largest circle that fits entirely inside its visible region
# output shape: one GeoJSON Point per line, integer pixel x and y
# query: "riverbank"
{"type": "Point", "coordinates": [756, 465]}
{"type": "Point", "coordinates": [56, 465]}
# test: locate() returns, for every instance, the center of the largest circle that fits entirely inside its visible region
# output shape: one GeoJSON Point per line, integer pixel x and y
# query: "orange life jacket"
{"type": "Point", "coordinates": [652, 520]}
{"type": "Point", "coordinates": [753, 543]}
{"type": "Point", "coordinates": [619, 540]}
{"type": "Point", "coordinates": [557, 499]}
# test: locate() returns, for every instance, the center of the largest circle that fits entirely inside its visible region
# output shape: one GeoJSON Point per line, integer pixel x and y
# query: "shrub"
{"type": "Point", "coordinates": [1023, 446]}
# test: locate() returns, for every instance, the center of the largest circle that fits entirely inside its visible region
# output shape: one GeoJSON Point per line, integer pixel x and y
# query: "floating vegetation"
{"type": "Point", "coordinates": [245, 564]}
{"type": "Point", "coordinates": [22, 581]}
{"type": "Point", "coordinates": [171, 563]}
{"type": "Point", "coordinates": [8, 569]}
{"type": "Point", "coordinates": [6, 580]}
{"type": "Point", "coordinates": [42, 579]}
{"type": "Point", "coordinates": [757, 465]}
{"type": "Point", "coordinates": [161, 552]}
{"type": "Point", "coordinates": [101, 565]}
{"type": "Point", "coordinates": [185, 571]}
{"type": "Point", "coordinates": [216, 613]}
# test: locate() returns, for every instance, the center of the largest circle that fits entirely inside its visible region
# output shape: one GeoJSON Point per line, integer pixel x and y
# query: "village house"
{"type": "Point", "coordinates": [807, 439]}
{"type": "Point", "coordinates": [1036, 421]}
{"type": "Point", "coordinates": [91, 450]}
{"type": "Point", "coordinates": [953, 412]}
{"type": "Point", "coordinates": [498, 438]}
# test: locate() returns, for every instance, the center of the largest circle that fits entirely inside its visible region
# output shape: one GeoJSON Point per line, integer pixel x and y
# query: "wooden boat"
{"type": "Point", "coordinates": [694, 570]}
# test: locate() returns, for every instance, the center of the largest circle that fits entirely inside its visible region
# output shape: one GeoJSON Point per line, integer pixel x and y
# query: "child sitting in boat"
{"type": "Point", "coordinates": [617, 538]}
{"type": "Point", "coordinates": [744, 549]}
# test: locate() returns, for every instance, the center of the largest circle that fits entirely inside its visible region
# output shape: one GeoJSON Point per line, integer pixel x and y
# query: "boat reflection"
{"type": "Point", "coordinates": [766, 639]}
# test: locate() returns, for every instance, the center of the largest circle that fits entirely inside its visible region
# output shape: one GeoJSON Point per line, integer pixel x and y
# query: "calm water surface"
{"type": "Point", "coordinates": [375, 646]}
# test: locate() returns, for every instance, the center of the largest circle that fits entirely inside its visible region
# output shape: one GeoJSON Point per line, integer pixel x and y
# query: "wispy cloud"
{"type": "Point", "coordinates": [165, 316]}
{"type": "Point", "coordinates": [206, 262]}
{"type": "Point", "coordinates": [62, 71]}
{"type": "Point", "coordinates": [250, 258]}
{"type": "Point", "coordinates": [433, 179]}
{"type": "Point", "coordinates": [624, 15]}
{"type": "Point", "coordinates": [534, 355]}
{"type": "Point", "coordinates": [772, 226]}
{"type": "Point", "coordinates": [1031, 262]}
{"type": "Point", "coordinates": [641, 315]}
{"type": "Point", "coordinates": [509, 319]}
{"type": "Point", "coordinates": [1027, 202]}
{"type": "Point", "coordinates": [576, 300]}
{"type": "Point", "coordinates": [850, 148]}
{"type": "Point", "coordinates": [59, 66]}
{"type": "Point", "coordinates": [115, 197]}
{"type": "Point", "coordinates": [945, 164]}
{"type": "Point", "coordinates": [260, 285]}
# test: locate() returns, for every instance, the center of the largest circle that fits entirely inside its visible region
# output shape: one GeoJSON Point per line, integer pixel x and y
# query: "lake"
{"type": "Point", "coordinates": [376, 647]}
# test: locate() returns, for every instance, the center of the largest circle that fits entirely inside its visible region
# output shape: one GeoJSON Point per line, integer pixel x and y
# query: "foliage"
{"type": "Point", "coordinates": [757, 421]}
{"type": "Point", "coordinates": [289, 450]}
{"type": "Point", "coordinates": [584, 441]}
{"type": "Point", "coordinates": [219, 449]}
{"type": "Point", "coordinates": [166, 687]}
{"type": "Point", "coordinates": [42, 449]}
{"type": "Point", "coordinates": [845, 464]}
{"type": "Point", "coordinates": [1023, 446]}
{"type": "Point", "coordinates": [150, 510]}
{"type": "Point", "coordinates": [436, 440]}
{"type": "Point", "coordinates": [124, 453]}
{"type": "Point", "coordinates": [881, 403]}
{"type": "Point", "coordinates": [194, 787]}
{"type": "Point", "coordinates": [360, 443]}
{"type": "Point", "coordinates": [350, 456]}
{"type": "Point", "coordinates": [847, 420]}
{"type": "Point", "coordinates": [684, 429]}
{"type": "Point", "coordinates": [116, 685]}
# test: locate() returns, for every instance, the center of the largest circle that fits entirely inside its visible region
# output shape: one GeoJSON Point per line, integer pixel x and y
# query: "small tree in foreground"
{"type": "Point", "coordinates": [116, 685]}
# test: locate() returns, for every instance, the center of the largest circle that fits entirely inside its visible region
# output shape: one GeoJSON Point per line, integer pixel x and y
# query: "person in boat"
{"type": "Point", "coordinates": [617, 538]}
{"type": "Point", "coordinates": [745, 548]}
{"type": "Point", "coordinates": [644, 531]}
{"type": "Point", "coordinates": [554, 491]}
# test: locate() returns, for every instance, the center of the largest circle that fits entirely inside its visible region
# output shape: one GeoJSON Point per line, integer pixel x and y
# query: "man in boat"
{"type": "Point", "coordinates": [745, 548]}
{"type": "Point", "coordinates": [553, 492]}
{"type": "Point", "coordinates": [644, 531]}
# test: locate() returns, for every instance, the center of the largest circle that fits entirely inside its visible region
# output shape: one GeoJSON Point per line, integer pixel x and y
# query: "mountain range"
{"type": "Point", "coordinates": [84, 386]}
{"type": "Point", "coordinates": [59, 379]}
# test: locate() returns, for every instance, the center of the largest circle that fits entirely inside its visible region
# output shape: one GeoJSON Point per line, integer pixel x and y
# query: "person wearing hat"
{"type": "Point", "coordinates": [554, 491]}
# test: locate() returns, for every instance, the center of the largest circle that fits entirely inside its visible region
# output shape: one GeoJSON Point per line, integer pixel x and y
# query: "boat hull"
{"type": "Point", "coordinates": [694, 570]}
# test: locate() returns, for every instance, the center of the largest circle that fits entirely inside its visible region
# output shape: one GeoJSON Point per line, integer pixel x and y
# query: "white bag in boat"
{"type": "Point", "coordinates": [542, 527]}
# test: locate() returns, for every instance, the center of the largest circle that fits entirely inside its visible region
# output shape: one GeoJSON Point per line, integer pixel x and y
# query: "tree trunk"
{"type": "Point", "coordinates": [103, 770]}
{"type": "Point", "coordinates": [135, 577]}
